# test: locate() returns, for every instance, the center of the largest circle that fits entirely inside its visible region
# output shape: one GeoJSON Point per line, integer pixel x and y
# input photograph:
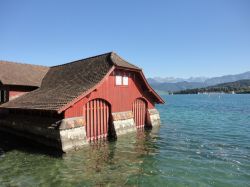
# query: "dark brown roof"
{"type": "Point", "coordinates": [12, 73]}
{"type": "Point", "coordinates": [118, 61]}
{"type": "Point", "coordinates": [63, 83]}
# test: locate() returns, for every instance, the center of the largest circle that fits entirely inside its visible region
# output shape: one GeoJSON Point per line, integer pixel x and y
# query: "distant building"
{"type": "Point", "coordinates": [82, 101]}
{"type": "Point", "coordinates": [17, 79]}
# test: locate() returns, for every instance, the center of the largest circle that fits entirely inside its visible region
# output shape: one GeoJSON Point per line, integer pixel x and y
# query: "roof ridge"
{"type": "Point", "coordinates": [113, 54]}
{"type": "Point", "coordinates": [22, 63]}
{"type": "Point", "coordinates": [108, 53]}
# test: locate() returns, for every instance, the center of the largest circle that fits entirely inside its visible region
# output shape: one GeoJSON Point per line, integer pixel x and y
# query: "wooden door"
{"type": "Point", "coordinates": [97, 113]}
{"type": "Point", "coordinates": [139, 111]}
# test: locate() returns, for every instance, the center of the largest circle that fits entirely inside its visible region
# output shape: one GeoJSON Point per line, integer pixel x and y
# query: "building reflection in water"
{"type": "Point", "coordinates": [125, 161]}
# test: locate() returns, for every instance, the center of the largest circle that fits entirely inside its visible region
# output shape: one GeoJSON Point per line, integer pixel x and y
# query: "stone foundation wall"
{"type": "Point", "coordinates": [40, 126]}
{"type": "Point", "coordinates": [154, 117]}
{"type": "Point", "coordinates": [39, 129]}
{"type": "Point", "coordinates": [67, 134]}
{"type": "Point", "coordinates": [73, 138]}
{"type": "Point", "coordinates": [123, 122]}
{"type": "Point", "coordinates": [72, 133]}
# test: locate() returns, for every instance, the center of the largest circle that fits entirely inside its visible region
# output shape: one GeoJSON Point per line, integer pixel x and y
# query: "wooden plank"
{"type": "Point", "coordinates": [104, 119]}
{"type": "Point", "coordinates": [91, 120]}
{"type": "Point", "coordinates": [135, 114]}
{"type": "Point", "coordinates": [86, 119]}
{"type": "Point", "coordinates": [97, 120]}
{"type": "Point", "coordinates": [143, 115]}
{"type": "Point", "coordinates": [139, 111]}
{"type": "Point", "coordinates": [104, 122]}
{"type": "Point", "coordinates": [94, 119]}
{"type": "Point", "coordinates": [137, 108]}
{"type": "Point", "coordinates": [101, 116]}
{"type": "Point", "coordinates": [107, 120]}
{"type": "Point", "coordinates": [143, 112]}
{"type": "Point", "coordinates": [88, 122]}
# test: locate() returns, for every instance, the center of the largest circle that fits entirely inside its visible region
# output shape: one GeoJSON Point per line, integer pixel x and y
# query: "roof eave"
{"type": "Point", "coordinates": [22, 85]}
{"type": "Point", "coordinates": [30, 109]}
{"type": "Point", "coordinates": [160, 100]}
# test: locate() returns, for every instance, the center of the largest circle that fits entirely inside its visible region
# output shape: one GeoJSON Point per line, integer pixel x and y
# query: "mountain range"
{"type": "Point", "coordinates": [171, 84]}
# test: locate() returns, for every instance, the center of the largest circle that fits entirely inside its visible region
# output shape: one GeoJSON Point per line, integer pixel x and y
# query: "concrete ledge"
{"type": "Point", "coordinates": [154, 117]}
{"type": "Point", "coordinates": [70, 123]}
{"type": "Point", "coordinates": [65, 135]}
{"type": "Point", "coordinates": [153, 111]}
{"type": "Point", "coordinates": [73, 138]}
{"type": "Point", "coordinates": [118, 116]}
{"type": "Point", "coordinates": [46, 141]}
{"type": "Point", "coordinates": [124, 126]}
{"type": "Point", "coordinates": [41, 126]}
{"type": "Point", "coordinates": [123, 122]}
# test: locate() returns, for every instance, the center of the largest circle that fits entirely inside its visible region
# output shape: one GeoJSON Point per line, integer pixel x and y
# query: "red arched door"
{"type": "Point", "coordinates": [97, 114]}
{"type": "Point", "coordinates": [139, 111]}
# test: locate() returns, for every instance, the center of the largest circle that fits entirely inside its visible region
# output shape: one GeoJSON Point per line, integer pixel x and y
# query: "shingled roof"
{"type": "Point", "coordinates": [64, 83]}
{"type": "Point", "coordinates": [12, 73]}
{"type": "Point", "coordinates": [118, 61]}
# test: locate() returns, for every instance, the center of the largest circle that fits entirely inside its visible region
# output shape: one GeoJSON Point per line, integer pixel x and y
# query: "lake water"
{"type": "Point", "coordinates": [203, 141]}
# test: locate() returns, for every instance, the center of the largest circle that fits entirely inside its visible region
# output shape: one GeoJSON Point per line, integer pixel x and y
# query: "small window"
{"type": "Point", "coordinates": [121, 79]}
{"type": "Point", "coordinates": [118, 80]}
{"type": "Point", "coordinates": [125, 80]}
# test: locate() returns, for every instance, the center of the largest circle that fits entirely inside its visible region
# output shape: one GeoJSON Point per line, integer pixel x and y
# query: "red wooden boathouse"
{"type": "Point", "coordinates": [85, 100]}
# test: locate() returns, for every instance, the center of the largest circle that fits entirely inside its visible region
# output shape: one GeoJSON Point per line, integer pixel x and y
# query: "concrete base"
{"type": "Point", "coordinates": [73, 138]}
{"type": "Point", "coordinates": [154, 117]}
{"type": "Point", "coordinates": [72, 133]}
{"type": "Point", "coordinates": [124, 126]}
{"type": "Point", "coordinates": [65, 135]}
{"type": "Point", "coordinates": [123, 122]}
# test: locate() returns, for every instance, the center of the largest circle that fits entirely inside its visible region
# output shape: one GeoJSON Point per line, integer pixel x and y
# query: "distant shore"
{"type": "Point", "coordinates": [237, 87]}
{"type": "Point", "coordinates": [193, 92]}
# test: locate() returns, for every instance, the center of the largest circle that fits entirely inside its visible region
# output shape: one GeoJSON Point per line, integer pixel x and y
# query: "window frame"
{"type": "Point", "coordinates": [125, 77]}
{"type": "Point", "coordinates": [120, 80]}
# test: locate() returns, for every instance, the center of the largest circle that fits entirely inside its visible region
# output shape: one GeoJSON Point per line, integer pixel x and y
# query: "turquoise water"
{"type": "Point", "coordinates": [203, 141]}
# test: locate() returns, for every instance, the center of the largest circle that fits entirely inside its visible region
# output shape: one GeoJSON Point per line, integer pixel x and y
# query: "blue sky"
{"type": "Point", "coordinates": [177, 38]}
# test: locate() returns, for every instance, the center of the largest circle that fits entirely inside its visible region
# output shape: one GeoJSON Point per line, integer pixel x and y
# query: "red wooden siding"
{"type": "Point", "coordinates": [97, 114]}
{"type": "Point", "coordinates": [139, 112]}
{"type": "Point", "coordinates": [120, 97]}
